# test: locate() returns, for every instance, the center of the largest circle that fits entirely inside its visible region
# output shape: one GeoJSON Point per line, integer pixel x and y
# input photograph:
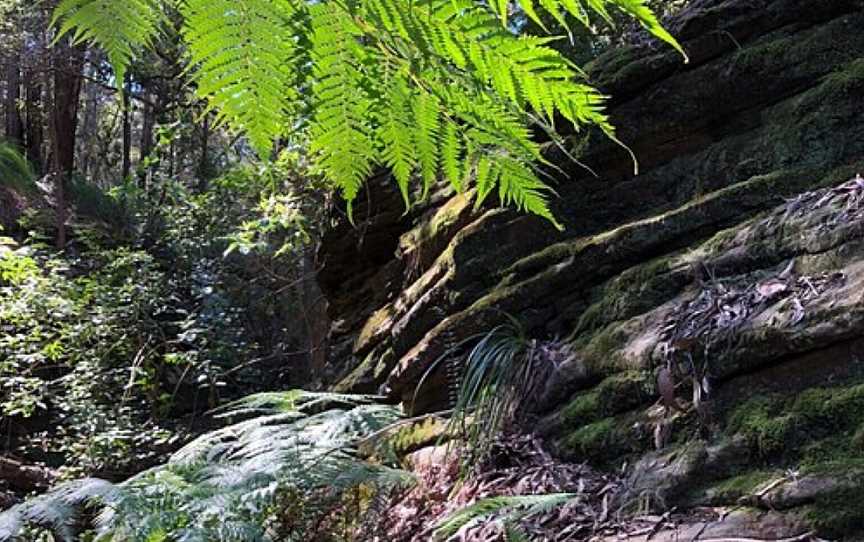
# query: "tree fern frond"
{"type": "Point", "coordinates": [519, 186]}
{"type": "Point", "coordinates": [290, 401]}
{"type": "Point", "coordinates": [640, 11]}
{"type": "Point", "coordinates": [399, 152]}
{"type": "Point", "coordinates": [243, 54]}
{"type": "Point", "coordinates": [224, 486]}
{"type": "Point", "coordinates": [58, 509]}
{"type": "Point", "coordinates": [425, 88]}
{"type": "Point", "coordinates": [119, 28]}
{"type": "Point", "coordinates": [341, 137]}
{"type": "Point", "coordinates": [426, 112]}
{"type": "Point", "coordinates": [451, 155]}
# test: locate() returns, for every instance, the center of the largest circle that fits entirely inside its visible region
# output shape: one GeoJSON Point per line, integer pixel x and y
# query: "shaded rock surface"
{"type": "Point", "coordinates": [734, 260]}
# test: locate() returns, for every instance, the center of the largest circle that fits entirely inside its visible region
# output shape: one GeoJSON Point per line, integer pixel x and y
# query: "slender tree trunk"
{"type": "Point", "coordinates": [14, 125]}
{"type": "Point", "coordinates": [127, 132]}
{"type": "Point", "coordinates": [204, 169]}
{"type": "Point", "coordinates": [34, 136]}
{"type": "Point", "coordinates": [148, 124]}
{"type": "Point", "coordinates": [67, 63]}
{"type": "Point", "coordinates": [88, 153]}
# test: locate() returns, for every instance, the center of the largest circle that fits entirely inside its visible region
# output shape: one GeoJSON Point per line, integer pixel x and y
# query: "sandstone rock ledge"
{"type": "Point", "coordinates": [735, 261]}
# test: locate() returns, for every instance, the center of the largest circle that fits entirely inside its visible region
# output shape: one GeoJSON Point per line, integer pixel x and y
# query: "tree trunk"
{"type": "Point", "coordinates": [34, 135]}
{"type": "Point", "coordinates": [88, 152]}
{"type": "Point", "coordinates": [67, 63]}
{"type": "Point", "coordinates": [14, 125]}
{"type": "Point", "coordinates": [204, 170]}
{"type": "Point", "coordinates": [148, 124]}
{"type": "Point", "coordinates": [127, 132]}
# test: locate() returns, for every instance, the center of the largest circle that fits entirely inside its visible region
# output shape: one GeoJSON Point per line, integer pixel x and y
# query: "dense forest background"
{"type": "Point", "coordinates": [152, 268]}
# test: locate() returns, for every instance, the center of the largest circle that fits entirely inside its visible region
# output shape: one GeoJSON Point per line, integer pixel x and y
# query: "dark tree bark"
{"type": "Point", "coordinates": [204, 169]}
{"type": "Point", "coordinates": [14, 124]}
{"type": "Point", "coordinates": [67, 65]}
{"type": "Point", "coordinates": [148, 124]}
{"type": "Point", "coordinates": [24, 477]}
{"type": "Point", "coordinates": [127, 132]}
{"type": "Point", "coordinates": [34, 132]}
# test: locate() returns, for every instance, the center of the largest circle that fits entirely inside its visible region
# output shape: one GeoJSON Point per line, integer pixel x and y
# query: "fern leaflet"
{"type": "Point", "coordinates": [426, 88]}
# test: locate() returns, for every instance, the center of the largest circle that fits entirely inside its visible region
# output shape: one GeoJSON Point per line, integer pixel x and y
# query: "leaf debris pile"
{"type": "Point", "coordinates": [844, 205]}
{"type": "Point", "coordinates": [515, 465]}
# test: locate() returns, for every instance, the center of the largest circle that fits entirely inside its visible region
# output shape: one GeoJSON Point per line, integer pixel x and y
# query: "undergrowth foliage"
{"type": "Point", "coordinates": [227, 485]}
{"type": "Point", "coordinates": [426, 88]}
{"type": "Point", "coordinates": [108, 354]}
{"type": "Point", "coordinates": [503, 372]}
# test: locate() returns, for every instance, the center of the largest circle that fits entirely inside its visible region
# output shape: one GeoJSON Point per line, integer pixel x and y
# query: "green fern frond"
{"type": "Point", "coordinates": [426, 111]}
{"type": "Point", "coordinates": [520, 187]}
{"type": "Point", "coordinates": [223, 485]}
{"type": "Point", "coordinates": [640, 11]}
{"type": "Point", "coordinates": [451, 155]}
{"type": "Point", "coordinates": [425, 88]}
{"type": "Point", "coordinates": [515, 507]}
{"type": "Point", "coordinates": [397, 141]}
{"type": "Point", "coordinates": [579, 9]}
{"type": "Point", "coordinates": [341, 135]}
{"type": "Point", "coordinates": [243, 54]}
{"type": "Point", "coordinates": [119, 28]}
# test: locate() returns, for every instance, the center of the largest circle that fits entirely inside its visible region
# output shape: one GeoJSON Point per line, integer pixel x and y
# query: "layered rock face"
{"type": "Point", "coordinates": [733, 264]}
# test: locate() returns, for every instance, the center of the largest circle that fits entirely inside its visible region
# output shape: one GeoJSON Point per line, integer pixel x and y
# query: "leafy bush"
{"type": "Point", "coordinates": [114, 344]}
{"type": "Point", "coordinates": [66, 347]}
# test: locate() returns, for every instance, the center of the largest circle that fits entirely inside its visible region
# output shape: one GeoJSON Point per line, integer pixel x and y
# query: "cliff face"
{"type": "Point", "coordinates": [734, 262]}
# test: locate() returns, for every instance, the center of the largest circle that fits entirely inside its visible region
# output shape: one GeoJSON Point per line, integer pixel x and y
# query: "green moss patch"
{"type": "Point", "coordinates": [607, 440]}
{"type": "Point", "coordinates": [816, 426]}
{"type": "Point", "coordinates": [730, 490]}
{"type": "Point", "coordinates": [614, 395]}
{"type": "Point", "coordinates": [412, 437]}
{"type": "Point", "coordinates": [839, 514]}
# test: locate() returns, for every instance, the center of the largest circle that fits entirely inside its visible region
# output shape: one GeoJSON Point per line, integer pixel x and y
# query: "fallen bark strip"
{"type": "Point", "coordinates": [24, 477]}
{"type": "Point", "coordinates": [806, 537]}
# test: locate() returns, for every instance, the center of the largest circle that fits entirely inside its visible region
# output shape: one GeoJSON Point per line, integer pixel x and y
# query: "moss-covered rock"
{"type": "Point", "coordinates": [614, 395]}
{"type": "Point", "coordinates": [418, 435]}
{"type": "Point", "coordinates": [736, 488]}
{"type": "Point", "coordinates": [730, 148]}
{"type": "Point", "coordinates": [818, 425]}
{"type": "Point", "coordinates": [606, 441]}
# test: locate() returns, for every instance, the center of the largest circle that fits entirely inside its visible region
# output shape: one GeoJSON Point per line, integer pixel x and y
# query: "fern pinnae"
{"type": "Point", "coordinates": [240, 66]}
{"type": "Point", "coordinates": [341, 139]}
{"type": "Point", "coordinates": [524, 504]}
{"type": "Point", "coordinates": [248, 58]}
{"type": "Point", "coordinates": [426, 111]}
{"type": "Point", "coordinates": [451, 155]}
{"type": "Point", "coordinates": [119, 28]}
{"type": "Point", "coordinates": [639, 10]}
{"type": "Point", "coordinates": [395, 132]}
